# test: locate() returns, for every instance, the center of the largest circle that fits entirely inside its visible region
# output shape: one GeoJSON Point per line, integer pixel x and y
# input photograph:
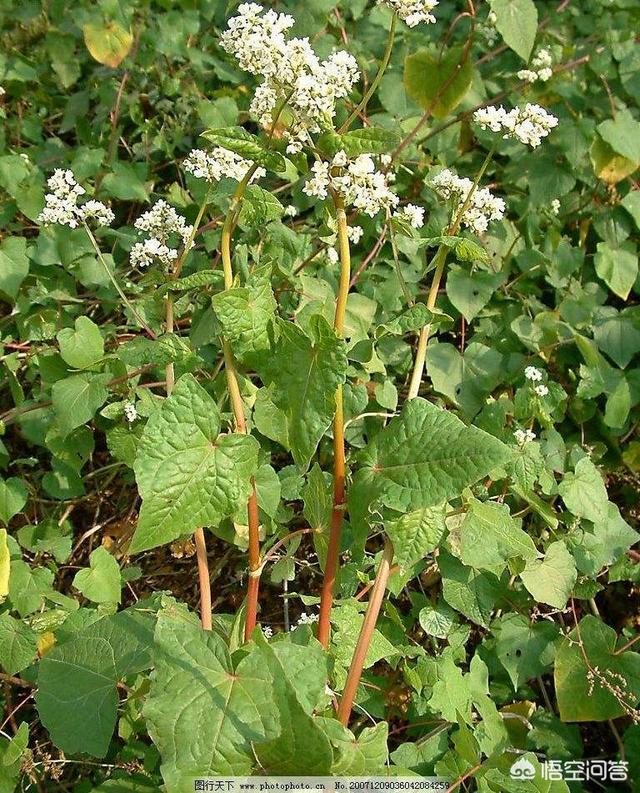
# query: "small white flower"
{"type": "Point", "coordinates": [527, 75]}
{"type": "Point", "coordinates": [529, 125]}
{"type": "Point", "coordinates": [148, 252]}
{"type": "Point", "coordinates": [483, 207]}
{"type": "Point", "coordinates": [267, 632]}
{"type": "Point", "coordinates": [130, 412]}
{"type": "Point", "coordinates": [524, 436]}
{"type": "Point", "coordinates": [555, 206]}
{"type": "Point", "coordinates": [541, 390]}
{"type": "Point", "coordinates": [291, 70]}
{"type": "Point", "coordinates": [61, 204]}
{"type": "Point", "coordinates": [160, 222]}
{"type": "Point", "coordinates": [96, 210]}
{"type": "Point", "coordinates": [290, 211]}
{"type": "Point", "coordinates": [332, 255]}
{"type": "Point", "coordinates": [413, 214]}
{"type": "Point", "coordinates": [318, 184]}
{"type": "Point", "coordinates": [308, 619]}
{"type": "Point", "coordinates": [2, 91]}
{"type": "Point", "coordinates": [219, 163]}
{"type": "Point", "coordinates": [355, 233]}
{"type": "Point", "coordinates": [412, 12]}
{"type": "Point", "coordinates": [532, 373]}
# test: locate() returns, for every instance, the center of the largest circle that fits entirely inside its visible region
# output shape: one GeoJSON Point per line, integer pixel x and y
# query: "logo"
{"type": "Point", "coordinates": [523, 769]}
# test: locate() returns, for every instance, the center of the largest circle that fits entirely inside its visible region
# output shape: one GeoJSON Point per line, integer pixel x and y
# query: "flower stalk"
{"type": "Point", "coordinates": [235, 397]}
{"type": "Point", "coordinates": [339, 466]}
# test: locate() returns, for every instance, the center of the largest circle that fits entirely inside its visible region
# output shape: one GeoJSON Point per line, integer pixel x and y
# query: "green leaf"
{"type": "Point", "coordinates": [196, 691]}
{"type": "Point", "coordinates": [13, 497]}
{"type": "Point", "coordinates": [318, 502]}
{"type": "Point", "coordinates": [301, 746]}
{"type": "Point", "coordinates": [194, 281]}
{"type": "Point", "coordinates": [619, 337]}
{"type": "Point", "coordinates": [14, 265]}
{"type": "Point", "coordinates": [82, 347]}
{"type": "Point", "coordinates": [259, 207]}
{"type": "Point", "coordinates": [416, 534]}
{"type": "Point", "coordinates": [631, 202]}
{"type": "Point", "coordinates": [18, 644]}
{"type": "Point", "coordinates": [245, 144]}
{"type": "Point", "coordinates": [77, 698]}
{"type": "Point", "coordinates": [437, 620]}
{"type": "Point", "coordinates": [28, 586]}
{"type": "Point", "coordinates": [426, 456]}
{"type": "Point", "coordinates": [517, 23]}
{"type": "Point", "coordinates": [188, 474]}
{"type": "Point", "coordinates": [247, 314]}
{"type": "Point", "coordinates": [584, 492]}
{"type": "Point", "coordinates": [470, 292]}
{"type": "Point", "coordinates": [370, 140]}
{"type": "Point", "coordinates": [414, 318]}
{"type": "Point", "coordinates": [365, 755]}
{"type": "Point", "coordinates": [77, 398]}
{"type": "Point", "coordinates": [604, 544]}
{"type": "Point", "coordinates": [126, 182]}
{"type": "Point", "coordinates": [623, 135]}
{"type": "Point", "coordinates": [100, 582]}
{"type": "Point", "coordinates": [584, 694]}
{"type": "Point", "coordinates": [551, 579]}
{"type": "Point", "coordinates": [47, 537]}
{"type": "Point", "coordinates": [167, 348]}
{"type": "Point", "coordinates": [438, 84]}
{"type": "Point", "coordinates": [304, 372]}
{"type": "Point", "coordinates": [490, 537]}
{"type": "Point", "coordinates": [467, 250]}
{"type": "Point", "coordinates": [617, 266]}
{"type": "Point", "coordinates": [347, 622]}
{"type": "Point", "coordinates": [466, 379]}
{"type": "Point", "coordinates": [468, 591]}
{"type": "Point", "coordinates": [525, 649]}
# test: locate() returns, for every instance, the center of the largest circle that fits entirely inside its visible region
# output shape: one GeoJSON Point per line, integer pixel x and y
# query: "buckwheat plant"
{"type": "Point", "coordinates": [334, 376]}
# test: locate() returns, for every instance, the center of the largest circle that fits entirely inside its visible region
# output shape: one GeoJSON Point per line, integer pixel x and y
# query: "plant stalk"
{"type": "Point", "coordinates": [339, 467]}
{"type": "Point", "coordinates": [237, 406]}
{"type": "Point", "coordinates": [204, 578]}
{"type": "Point", "coordinates": [115, 283]}
{"type": "Point", "coordinates": [366, 632]}
{"type": "Point", "coordinates": [439, 260]}
{"type": "Point", "coordinates": [362, 107]}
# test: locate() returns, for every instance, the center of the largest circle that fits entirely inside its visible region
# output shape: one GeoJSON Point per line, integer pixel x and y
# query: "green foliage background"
{"type": "Point", "coordinates": [507, 623]}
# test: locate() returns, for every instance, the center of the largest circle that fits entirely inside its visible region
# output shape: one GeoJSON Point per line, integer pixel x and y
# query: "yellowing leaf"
{"type": "Point", "coordinates": [46, 642]}
{"type": "Point", "coordinates": [108, 43]}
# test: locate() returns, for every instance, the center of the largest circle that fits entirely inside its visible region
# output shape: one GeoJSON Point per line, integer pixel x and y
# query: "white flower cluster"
{"type": "Point", "coordinates": [555, 206]}
{"type": "Point", "coordinates": [357, 181]}
{"type": "Point", "coordinates": [412, 214]}
{"type": "Point", "coordinates": [540, 68]}
{"type": "Point", "coordinates": [219, 163]}
{"type": "Point", "coordinates": [355, 234]}
{"type": "Point", "coordinates": [412, 12]}
{"type": "Point", "coordinates": [160, 223]}
{"type": "Point", "coordinates": [61, 204]}
{"type": "Point", "coordinates": [483, 207]}
{"type": "Point", "coordinates": [534, 375]}
{"type": "Point", "coordinates": [130, 412]}
{"type": "Point", "coordinates": [524, 436]}
{"type": "Point", "coordinates": [529, 125]}
{"type": "Point", "coordinates": [267, 632]}
{"type": "Point", "coordinates": [291, 70]}
{"type": "Point", "coordinates": [307, 619]}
